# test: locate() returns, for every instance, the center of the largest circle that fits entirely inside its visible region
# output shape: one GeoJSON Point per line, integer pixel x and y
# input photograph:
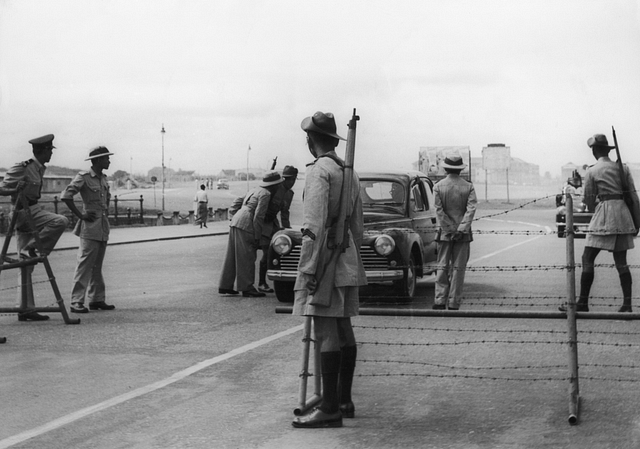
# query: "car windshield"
{"type": "Point", "coordinates": [382, 196]}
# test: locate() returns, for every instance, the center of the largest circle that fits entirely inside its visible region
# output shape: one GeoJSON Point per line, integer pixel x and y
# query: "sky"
{"type": "Point", "coordinates": [221, 76]}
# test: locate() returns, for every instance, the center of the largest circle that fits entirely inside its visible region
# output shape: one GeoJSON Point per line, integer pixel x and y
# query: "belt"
{"type": "Point", "coordinates": [613, 196]}
{"type": "Point", "coordinates": [202, 202]}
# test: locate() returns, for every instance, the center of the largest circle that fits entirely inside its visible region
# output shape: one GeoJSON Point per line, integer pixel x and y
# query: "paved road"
{"type": "Point", "coordinates": [177, 365]}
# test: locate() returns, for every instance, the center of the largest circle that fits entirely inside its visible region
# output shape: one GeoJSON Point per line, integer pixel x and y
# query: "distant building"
{"type": "Point", "coordinates": [51, 183]}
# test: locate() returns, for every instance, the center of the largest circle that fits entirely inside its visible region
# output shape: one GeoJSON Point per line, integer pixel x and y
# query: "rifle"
{"type": "Point", "coordinates": [338, 238]}
{"type": "Point", "coordinates": [626, 194]}
{"type": "Point", "coordinates": [273, 166]}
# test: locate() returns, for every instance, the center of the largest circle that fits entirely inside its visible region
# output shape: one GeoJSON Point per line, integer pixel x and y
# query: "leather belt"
{"type": "Point", "coordinates": [613, 196]}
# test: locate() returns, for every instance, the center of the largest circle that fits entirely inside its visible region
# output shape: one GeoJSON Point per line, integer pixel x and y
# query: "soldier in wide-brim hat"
{"type": "Point", "coordinates": [612, 226]}
{"type": "Point", "coordinates": [330, 300]}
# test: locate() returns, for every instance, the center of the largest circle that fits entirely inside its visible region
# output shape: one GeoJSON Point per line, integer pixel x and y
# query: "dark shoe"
{"type": "Point", "coordinates": [253, 293]}
{"type": "Point", "coordinates": [579, 308]}
{"type": "Point", "coordinates": [625, 308]}
{"type": "Point", "coordinates": [78, 308]}
{"type": "Point", "coordinates": [32, 316]}
{"type": "Point", "coordinates": [265, 288]}
{"type": "Point", "coordinates": [318, 419]}
{"type": "Point", "coordinates": [101, 306]}
{"type": "Point", "coordinates": [439, 307]}
{"type": "Point", "coordinates": [227, 291]}
{"type": "Point", "coordinates": [348, 410]}
{"type": "Point", "coordinates": [454, 308]}
{"type": "Point", "coordinates": [205, 226]}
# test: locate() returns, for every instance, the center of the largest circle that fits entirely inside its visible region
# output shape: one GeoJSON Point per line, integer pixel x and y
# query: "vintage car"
{"type": "Point", "coordinates": [399, 241]}
{"type": "Point", "coordinates": [581, 218]}
{"type": "Point", "coordinates": [223, 184]}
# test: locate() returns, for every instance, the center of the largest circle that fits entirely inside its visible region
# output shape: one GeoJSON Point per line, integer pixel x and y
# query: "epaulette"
{"type": "Point", "coordinates": [84, 172]}
{"type": "Point", "coordinates": [310, 164]}
{"type": "Point", "coordinates": [25, 163]}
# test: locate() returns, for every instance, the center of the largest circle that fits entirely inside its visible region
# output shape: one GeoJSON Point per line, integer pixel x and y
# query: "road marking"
{"type": "Point", "coordinates": [71, 417]}
{"type": "Point", "coordinates": [486, 256]}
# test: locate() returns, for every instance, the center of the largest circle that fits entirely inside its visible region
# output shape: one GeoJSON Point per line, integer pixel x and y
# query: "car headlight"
{"type": "Point", "coordinates": [384, 245]}
{"type": "Point", "coordinates": [281, 244]}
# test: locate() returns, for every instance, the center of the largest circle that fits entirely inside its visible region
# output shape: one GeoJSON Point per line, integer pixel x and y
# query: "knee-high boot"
{"type": "Point", "coordinates": [347, 368]}
{"type": "Point", "coordinates": [586, 281]}
{"type": "Point", "coordinates": [625, 282]}
{"type": "Point", "coordinates": [328, 413]}
{"type": "Point", "coordinates": [330, 375]}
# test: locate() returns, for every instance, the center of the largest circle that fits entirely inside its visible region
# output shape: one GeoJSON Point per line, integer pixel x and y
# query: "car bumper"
{"type": "Point", "coordinates": [372, 276]}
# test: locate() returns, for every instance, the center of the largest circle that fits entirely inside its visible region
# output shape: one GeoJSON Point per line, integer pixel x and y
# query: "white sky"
{"type": "Point", "coordinates": [540, 76]}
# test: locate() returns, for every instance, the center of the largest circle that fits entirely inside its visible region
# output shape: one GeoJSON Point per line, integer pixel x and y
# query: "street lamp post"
{"type": "Point", "coordinates": [162, 132]}
{"type": "Point", "coordinates": [248, 167]}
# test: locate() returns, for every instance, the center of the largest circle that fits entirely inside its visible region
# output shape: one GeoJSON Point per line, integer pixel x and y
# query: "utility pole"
{"type": "Point", "coordinates": [162, 132]}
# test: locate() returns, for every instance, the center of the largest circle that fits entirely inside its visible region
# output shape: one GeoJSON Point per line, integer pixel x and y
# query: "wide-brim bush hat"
{"type": "Point", "coordinates": [599, 140]}
{"type": "Point", "coordinates": [323, 123]}
{"type": "Point", "coordinates": [98, 152]}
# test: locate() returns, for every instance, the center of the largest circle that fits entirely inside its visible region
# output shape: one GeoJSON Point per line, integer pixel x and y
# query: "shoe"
{"type": "Point", "coordinates": [28, 253]}
{"type": "Point", "coordinates": [318, 419]}
{"type": "Point", "coordinates": [579, 307]}
{"type": "Point", "coordinates": [101, 306]}
{"type": "Point", "coordinates": [625, 308]}
{"type": "Point", "coordinates": [348, 410]}
{"type": "Point", "coordinates": [439, 307]}
{"type": "Point", "coordinates": [78, 308]}
{"type": "Point", "coordinates": [32, 316]}
{"type": "Point", "coordinates": [205, 226]}
{"type": "Point", "coordinates": [253, 293]}
{"type": "Point", "coordinates": [454, 308]}
{"type": "Point", "coordinates": [227, 291]}
{"type": "Point", "coordinates": [265, 288]}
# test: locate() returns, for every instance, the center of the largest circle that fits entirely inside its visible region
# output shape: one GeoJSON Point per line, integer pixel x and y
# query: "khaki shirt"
{"type": "Point", "coordinates": [30, 171]}
{"type": "Point", "coordinates": [321, 198]}
{"type": "Point", "coordinates": [95, 194]}
{"type": "Point", "coordinates": [611, 216]}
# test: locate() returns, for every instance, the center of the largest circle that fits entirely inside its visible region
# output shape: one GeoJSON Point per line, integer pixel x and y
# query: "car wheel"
{"type": "Point", "coordinates": [560, 232]}
{"type": "Point", "coordinates": [407, 287]}
{"type": "Point", "coordinates": [284, 291]}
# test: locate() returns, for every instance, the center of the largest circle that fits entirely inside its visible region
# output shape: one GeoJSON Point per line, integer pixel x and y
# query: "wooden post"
{"type": "Point", "coordinates": [572, 330]}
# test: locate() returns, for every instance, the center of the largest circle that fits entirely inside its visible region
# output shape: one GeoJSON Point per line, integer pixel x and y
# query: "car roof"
{"type": "Point", "coordinates": [392, 174]}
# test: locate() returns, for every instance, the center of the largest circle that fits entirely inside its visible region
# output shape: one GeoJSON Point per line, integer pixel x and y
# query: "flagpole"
{"type": "Point", "coordinates": [248, 167]}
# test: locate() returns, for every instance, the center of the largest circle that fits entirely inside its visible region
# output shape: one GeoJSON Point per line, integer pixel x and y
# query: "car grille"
{"type": "Point", "coordinates": [370, 259]}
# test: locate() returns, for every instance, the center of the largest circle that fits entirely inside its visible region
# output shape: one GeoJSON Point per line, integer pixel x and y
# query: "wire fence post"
{"type": "Point", "coordinates": [572, 331]}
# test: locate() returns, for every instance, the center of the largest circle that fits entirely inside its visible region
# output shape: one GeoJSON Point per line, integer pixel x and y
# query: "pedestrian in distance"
{"type": "Point", "coordinates": [455, 203]}
{"type": "Point", "coordinates": [332, 300]}
{"type": "Point", "coordinates": [612, 225]}
{"type": "Point", "coordinates": [93, 229]}
{"type": "Point", "coordinates": [202, 202]}
{"type": "Point", "coordinates": [245, 232]}
{"type": "Point", "coordinates": [26, 178]}
{"type": "Point", "coordinates": [280, 204]}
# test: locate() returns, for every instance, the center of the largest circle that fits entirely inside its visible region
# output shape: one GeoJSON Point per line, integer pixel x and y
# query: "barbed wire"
{"type": "Point", "coordinates": [492, 331]}
{"type": "Point", "coordinates": [467, 342]}
{"type": "Point", "coordinates": [498, 368]}
{"type": "Point", "coordinates": [481, 377]}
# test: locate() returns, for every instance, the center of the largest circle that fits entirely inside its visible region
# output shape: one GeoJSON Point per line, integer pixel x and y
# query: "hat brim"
{"type": "Point", "coordinates": [308, 125]}
{"type": "Point", "coordinates": [97, 156]}
{"type": "Point", "coordinates": [454, 167]}
{"type": "Point", "coordinates": [271, 183]}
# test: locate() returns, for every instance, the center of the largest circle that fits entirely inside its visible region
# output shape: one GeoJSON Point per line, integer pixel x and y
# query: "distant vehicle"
{"type": "Point", "coordinates": [399, 241]}
{"type": "Point", "coordinates": [223, 183]}
{"type": "Point", "coordinates": [581, 217]}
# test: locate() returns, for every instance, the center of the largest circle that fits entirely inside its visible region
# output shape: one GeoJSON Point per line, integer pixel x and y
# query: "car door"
{"type": "Point", "coordinates": [425, 216]}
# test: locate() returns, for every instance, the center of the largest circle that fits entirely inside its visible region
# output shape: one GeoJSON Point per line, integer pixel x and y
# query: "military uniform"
{"type": "Point", "coordinates": [455, 203]}
{"type": "Point", "coordinates": [49, 226]}
{"type": "Point", "coordinates": [88, 280]}
{"type": "Point", "coordinates": [321, 208]}
{"type": "Point", "coordinates": [611, 227]}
